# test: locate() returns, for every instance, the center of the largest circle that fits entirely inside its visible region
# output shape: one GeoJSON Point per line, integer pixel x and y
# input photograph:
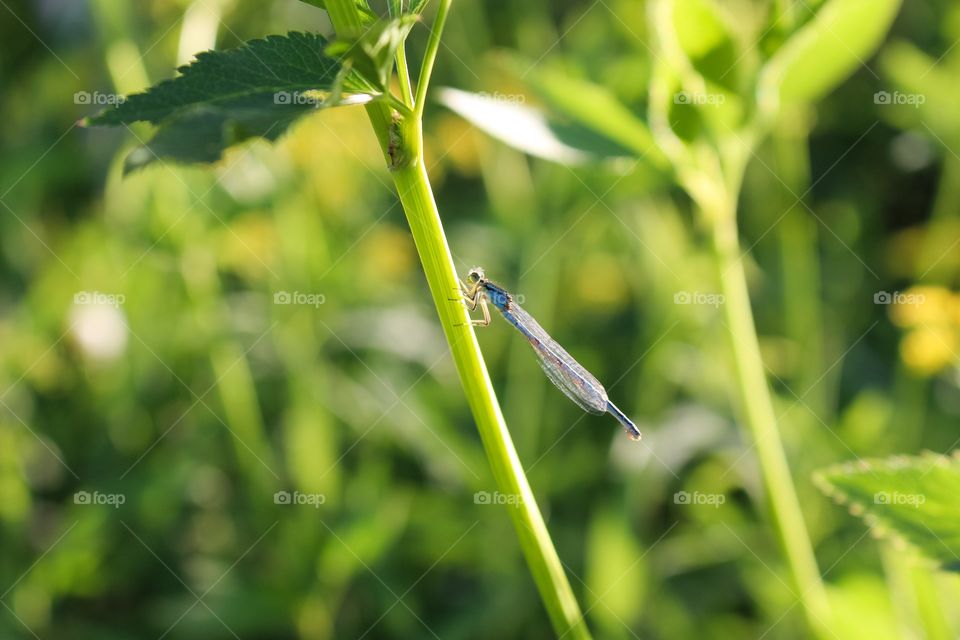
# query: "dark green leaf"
{"type": "Point", "coordinates": [224, 97]}
{"type": "Point", "coordinates": [911, 498]}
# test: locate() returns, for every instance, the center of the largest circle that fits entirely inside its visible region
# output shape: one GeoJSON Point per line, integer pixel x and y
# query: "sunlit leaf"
{"type": "Point", "coordinates": [529, 129]}
{"type": "Point", "coordinates": [909, 498]}
{"type": "Point", "coordinates": [827, 50]}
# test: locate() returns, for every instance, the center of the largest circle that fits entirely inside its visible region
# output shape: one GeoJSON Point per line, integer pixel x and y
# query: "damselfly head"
{"type": "Point", "coordinates": [475, 275]}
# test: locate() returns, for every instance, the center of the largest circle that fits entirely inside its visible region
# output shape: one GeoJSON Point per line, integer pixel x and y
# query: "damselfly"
{"type": "Point", "coordinates": [570, 377]}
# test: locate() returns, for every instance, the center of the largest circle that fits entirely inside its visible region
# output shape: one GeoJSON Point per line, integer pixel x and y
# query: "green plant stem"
{"type": "Point", "coordinates": [426, 69]}
{"type": "Point", "coordinates": [416, 196]}
{"type": "Point", "coordinates": [757, 407]}
{"type": "Point", "coordinates": [422, 215]}
{"type": "Point", "coordinates": [403, 76]}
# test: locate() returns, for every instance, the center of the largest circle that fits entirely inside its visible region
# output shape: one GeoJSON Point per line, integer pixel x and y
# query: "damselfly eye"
{"type": "Point", "coordinates": [475, 275]}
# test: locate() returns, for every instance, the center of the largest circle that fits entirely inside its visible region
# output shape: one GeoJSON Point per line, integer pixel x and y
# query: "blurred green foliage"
{"type": "Point", "coordinates": [150, 351]}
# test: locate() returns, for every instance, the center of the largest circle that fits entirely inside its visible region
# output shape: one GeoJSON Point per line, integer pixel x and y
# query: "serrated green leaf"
{"type": "Point", "coordinates": [224, 97]}
{"type": "Point", "coordinates": [827, 50]}
{"type": "Point", "coordinates": [243, 79]}
{"type": "Point", "coordinates": [201, 135]}
{"type": "Point", "coordinates": [529, 129]}
{"type": "Point", "coordinates": [910, 498]}
{"type": "Point", "coordinates": [371, 54]}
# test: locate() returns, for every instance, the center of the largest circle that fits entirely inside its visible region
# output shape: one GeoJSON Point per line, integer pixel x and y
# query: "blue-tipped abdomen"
{"type": "Point", "coordinates": [627, 423]}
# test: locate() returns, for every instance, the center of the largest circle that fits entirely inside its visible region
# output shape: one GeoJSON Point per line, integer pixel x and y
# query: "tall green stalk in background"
{"type": "Point", "coordinates": [711, 168]}
{"type": "Point", "coordinates": [756, 405]}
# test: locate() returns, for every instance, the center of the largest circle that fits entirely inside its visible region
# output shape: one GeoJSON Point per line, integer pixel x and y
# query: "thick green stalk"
{"type": "Point", "coordinates": [401, 141]}
{"type": "Point", "coordinates": [757, 408]}
{"type": "Point", "coordinates": [423, 217]}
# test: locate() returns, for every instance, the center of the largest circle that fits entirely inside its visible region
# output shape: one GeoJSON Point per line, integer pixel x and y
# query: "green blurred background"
{"type": "Point", "coordinates": [148, 355]}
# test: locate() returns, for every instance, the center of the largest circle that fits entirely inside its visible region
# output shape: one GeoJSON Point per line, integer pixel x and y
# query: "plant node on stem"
{"type": "Point", "coordinates": [404, 144]}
